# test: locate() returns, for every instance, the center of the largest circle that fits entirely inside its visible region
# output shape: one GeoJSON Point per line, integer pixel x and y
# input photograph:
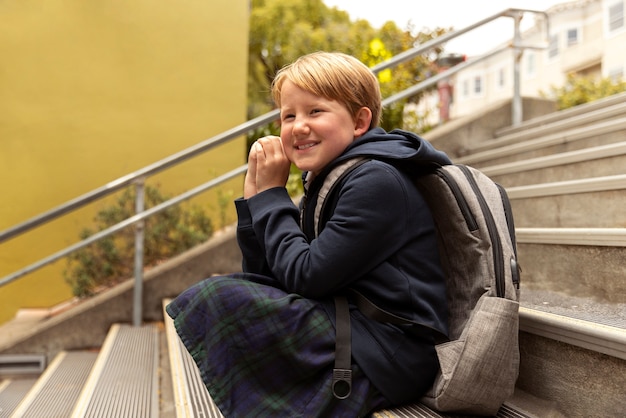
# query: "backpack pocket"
{"type": "Point", "coordinates": [479, 370]}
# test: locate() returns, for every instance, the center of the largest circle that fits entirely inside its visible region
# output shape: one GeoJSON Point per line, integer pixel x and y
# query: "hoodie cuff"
{"type": "Point", "coordinates": [244, 217]}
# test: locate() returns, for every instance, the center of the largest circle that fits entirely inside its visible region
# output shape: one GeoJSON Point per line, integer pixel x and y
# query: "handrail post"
{"type": "Point", "coordinates": [516, 104]}
{"type": "Point", "coordinates": [139, 247]}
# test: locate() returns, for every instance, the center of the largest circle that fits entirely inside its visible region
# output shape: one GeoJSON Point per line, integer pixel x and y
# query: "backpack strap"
{"type": "Point", "coordinates": [376, 313]}
{"type": "Point", "coordinates": [336, 175]}
{"type": "Point", "coordinates": [342, 373]}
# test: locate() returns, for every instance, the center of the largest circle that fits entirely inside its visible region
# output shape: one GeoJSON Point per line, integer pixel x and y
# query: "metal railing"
{"type": "Point", "coordinates": [138, 177]}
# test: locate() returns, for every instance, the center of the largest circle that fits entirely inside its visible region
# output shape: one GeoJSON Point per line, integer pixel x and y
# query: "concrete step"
{"type": "Point", "coordinates": [124, 380]}
{"type": "Point", "coordinates": [12, 391]}
{"type": "Point", "coordinates": [191, 397]}
{"type": "Point", "coordinates": [559, 342]}
{"type": "Point", "coordinates": [577, 362]}
{"type": "Point", "coordinates": [594, 202]}
{"type": "Point", "coordinates": [539, 306]}
{"type": "Point", "coordinates": [565, 139]}
{"type": "Point", "coordinates": [559, 122]}
{"type": "Point", "coordinates": [58, 389]}
{"type": "Point", "coordinates": [573, 115]}
{"type": "Point", "coordinates": [600, 161]}
{"type": "Point", "coordinates": [585, 262]}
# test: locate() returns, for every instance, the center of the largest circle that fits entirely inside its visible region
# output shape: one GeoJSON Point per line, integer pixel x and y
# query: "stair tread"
{"type": "Point", "coordinates": [583, 308]}
{"type": "Point", "coordinates": [12, 391]}
{"type": "Point", "coordinates": [58, 389]}
{"type": "Point", "coordinates": [517, 144]}
{"type": "Point", "coordinates": [422, 411]}
{"type": "Point", "coordinates": [124, 380]}
{"type": "Point", "coordinates": [571, 113]}
{"type": "Point", "coordinates": [191, 396]}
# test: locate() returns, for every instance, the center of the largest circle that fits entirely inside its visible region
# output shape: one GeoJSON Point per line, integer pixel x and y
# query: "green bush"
{"type": "Point", "coordinates": [111, 260]}
{"type": "Point", "coordinates": [578, 90]}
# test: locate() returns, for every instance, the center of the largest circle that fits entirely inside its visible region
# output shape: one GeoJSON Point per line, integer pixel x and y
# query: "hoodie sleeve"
{"type": "Point", "coordinates": [253, 258]}
{"type": "Point", "coordinates": [366, 228]}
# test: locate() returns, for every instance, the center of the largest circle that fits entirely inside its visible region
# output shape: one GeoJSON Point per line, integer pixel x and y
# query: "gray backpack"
{"type": "Point", "coordinates": [479, 359]}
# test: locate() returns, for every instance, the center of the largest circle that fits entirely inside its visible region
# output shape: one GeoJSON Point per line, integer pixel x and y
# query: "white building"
{"type": "Point", "coordinates": [587, 37]}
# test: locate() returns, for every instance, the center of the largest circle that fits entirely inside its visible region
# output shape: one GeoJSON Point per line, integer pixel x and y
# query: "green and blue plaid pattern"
{"type": "Point", "coordinates": [263, 352]}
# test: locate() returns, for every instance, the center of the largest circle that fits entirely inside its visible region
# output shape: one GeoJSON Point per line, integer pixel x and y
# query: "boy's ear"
{"type": "Point", "coordinates": [362, 121]}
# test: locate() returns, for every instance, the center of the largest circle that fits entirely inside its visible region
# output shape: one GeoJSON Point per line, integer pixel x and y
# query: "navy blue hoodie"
{"type": "Point", "coordinates": [380, 240]}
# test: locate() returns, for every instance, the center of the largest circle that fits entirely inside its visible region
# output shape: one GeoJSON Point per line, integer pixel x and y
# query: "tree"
{"type": "Point", "coordinates": [580, 89]}
{"type": "Point", "coordinates": [406, 74]}
{"type": "Point", "coordinates": [279, 35]}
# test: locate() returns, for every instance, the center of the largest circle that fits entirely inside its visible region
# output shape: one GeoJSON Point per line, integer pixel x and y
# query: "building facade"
{"type": "Point", "coordinates": [586, 37]}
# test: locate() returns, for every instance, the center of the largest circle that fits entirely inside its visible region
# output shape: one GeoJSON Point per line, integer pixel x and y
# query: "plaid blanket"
{"type": "Point", "coordinates": [265, 353]}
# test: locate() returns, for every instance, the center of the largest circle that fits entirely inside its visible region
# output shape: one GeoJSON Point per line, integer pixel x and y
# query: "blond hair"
{"type": "Point", "coordinates": [334, 76]}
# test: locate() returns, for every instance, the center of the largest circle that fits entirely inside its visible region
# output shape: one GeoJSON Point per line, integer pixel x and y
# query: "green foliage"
{"type": "Point", "coordinates": [111, 260]}
{"type": "Point", "coordinates": [294, 183]}
{"type": "Point", "coordinates": [224, 200]}
{"type": "Point", "coordinates": [579, 89]}
{"type": "Point", "coordinates": [418, 123]}
{"type": "Point", "coordinates": [279, 35]}
{"type": "Point", "coordinates": [406, 74]}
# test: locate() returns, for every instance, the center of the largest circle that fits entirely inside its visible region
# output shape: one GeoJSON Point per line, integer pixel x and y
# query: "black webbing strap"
{"type": "Point", "coordinates": [376, 313]}
{"type": "Point", "coordinates": [342, 373]}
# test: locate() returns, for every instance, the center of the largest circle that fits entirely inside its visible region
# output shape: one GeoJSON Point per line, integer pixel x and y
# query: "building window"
{"type": "Point", "coordinates": [553, 47]}
{"type": "Point", "coordinates": [501, 77]}
{"type": "Point", "coordinates": [465, 88]}
{"type": "Point", "coordinates": [616, 16]}
{"type": "Point", "coordinates": [478, 85]}
{"type": "Point", "coordinates": [572, 37]}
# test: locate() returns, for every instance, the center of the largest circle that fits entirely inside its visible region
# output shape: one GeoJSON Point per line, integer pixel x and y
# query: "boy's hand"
{"type": "Point", "coordinates": [271, 163]}
{"type": "Point", "coordinates": [249, 185]}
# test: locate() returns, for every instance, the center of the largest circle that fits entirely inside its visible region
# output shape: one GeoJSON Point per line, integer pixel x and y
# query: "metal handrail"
{"type": "Point", "coordinates": [138, 177]}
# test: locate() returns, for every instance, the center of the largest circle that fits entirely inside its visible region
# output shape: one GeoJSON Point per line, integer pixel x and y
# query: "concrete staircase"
{"type": "Point", "coordinates": [132, 375]}
{"type": "Point", "coordinates": [566, 176]}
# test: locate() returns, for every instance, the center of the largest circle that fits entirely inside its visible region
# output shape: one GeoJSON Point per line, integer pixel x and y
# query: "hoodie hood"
{"type": "Point", "coordinates": [396, 146]}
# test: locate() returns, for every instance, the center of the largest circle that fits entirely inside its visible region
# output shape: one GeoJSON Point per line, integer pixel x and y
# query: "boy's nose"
{"type": "Point", "coordinates": [300, 127]}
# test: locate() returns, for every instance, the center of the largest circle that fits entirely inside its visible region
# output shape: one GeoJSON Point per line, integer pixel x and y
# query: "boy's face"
{"type": "Point", "coordinates": [314, 130]}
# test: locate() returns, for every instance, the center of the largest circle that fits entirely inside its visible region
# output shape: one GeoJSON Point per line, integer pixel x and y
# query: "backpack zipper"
{"type": "Point", "coordinates": [508, 212]}
{"type": "Point", "coordinates": [493, 232]}
{"type": "Point", "coordinates": [470, 221]}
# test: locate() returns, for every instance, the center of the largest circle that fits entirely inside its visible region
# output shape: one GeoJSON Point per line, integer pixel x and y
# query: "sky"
{"type": "Point", "coordinates": [447, 13]}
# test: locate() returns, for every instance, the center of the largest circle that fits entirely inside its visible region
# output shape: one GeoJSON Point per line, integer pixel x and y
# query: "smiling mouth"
{"type": "Point", "coordinates": [306, 146]}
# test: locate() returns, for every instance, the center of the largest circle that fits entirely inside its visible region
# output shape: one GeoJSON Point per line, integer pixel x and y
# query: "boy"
{"type": "Point", "coordinates": [264, 339]}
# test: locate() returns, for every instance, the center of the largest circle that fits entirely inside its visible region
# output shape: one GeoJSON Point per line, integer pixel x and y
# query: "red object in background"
{"type": "Point", "coordinates": [445, 89]}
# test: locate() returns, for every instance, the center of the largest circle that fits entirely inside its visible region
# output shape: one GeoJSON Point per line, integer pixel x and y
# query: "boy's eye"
{"type": "Point", "coordinates": [288, 116]}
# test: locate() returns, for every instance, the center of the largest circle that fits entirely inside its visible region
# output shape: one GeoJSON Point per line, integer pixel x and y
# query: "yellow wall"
{"type": "Point", "coordinates": [91, 91]}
